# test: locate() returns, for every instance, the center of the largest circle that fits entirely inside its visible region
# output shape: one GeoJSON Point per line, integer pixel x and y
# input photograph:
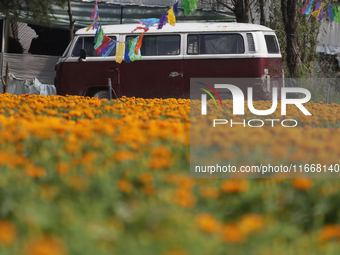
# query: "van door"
{"type": "Point", "coordinates": [159, 74]}
{"type": "Point", "coordinates": [215, 55]}
{"type": "Point", "coordinates": [91, 75]}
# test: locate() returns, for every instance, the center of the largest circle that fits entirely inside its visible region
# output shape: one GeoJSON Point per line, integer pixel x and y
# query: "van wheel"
{"type": "Point", "coordinates": [103, 94]}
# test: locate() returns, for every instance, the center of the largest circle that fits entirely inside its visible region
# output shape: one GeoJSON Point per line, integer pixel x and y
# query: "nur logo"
{"type": "Point", "coordinates": [204, 97]}
{"type": "Point", "coordinates": [238, 99]}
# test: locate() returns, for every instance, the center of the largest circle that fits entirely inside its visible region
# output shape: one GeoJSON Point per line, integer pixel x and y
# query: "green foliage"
{"type": "Point", "coordinates": [41, 11]}
{"type": "Point", "coordinates": [308, 28]}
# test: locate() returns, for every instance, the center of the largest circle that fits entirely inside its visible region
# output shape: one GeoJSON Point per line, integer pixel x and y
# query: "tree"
{"type": "Point", "coordinates": [257, 7]}
{"type": "Point", "coordinates": [239, 7]}
{"type": "Point", "coordinates": [72, 21]}
{"type": "Point", "coordinates": [262, 14]}
{"type": "Point", "coordinates": [38, 10]}
{"type": "Point", "coordinates": [297, 34]}
{"type": "Point", "coordinates": [289, 16]}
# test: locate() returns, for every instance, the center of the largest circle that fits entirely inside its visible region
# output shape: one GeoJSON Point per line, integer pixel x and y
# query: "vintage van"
{"type": "Point", "coordinates": [170, 57]}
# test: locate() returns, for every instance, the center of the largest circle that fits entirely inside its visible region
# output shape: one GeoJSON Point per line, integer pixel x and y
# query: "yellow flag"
{"type": "Point", "coordinates": [92, 24]}
{"type": "Point", "coordinates": [316, 13]}
{"type": "Point", "coordinates": [120, 53]}
{"type": "Point", "coordinates": [171, 17]}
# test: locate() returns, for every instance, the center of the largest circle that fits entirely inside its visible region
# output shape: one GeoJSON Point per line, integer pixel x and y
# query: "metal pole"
{"type": "Point", "coordinates": [110, 88]}
{"type": "Point", "coordinates": [121, 14]}
{"type": "Point", "coordinates": [6, 78]}
{"type": "Point", "coordinates": [2, 46]}
{"type": "Point", "coordinates": [3, 35]}
{"type": "Point", "coordinates": [1, 63]}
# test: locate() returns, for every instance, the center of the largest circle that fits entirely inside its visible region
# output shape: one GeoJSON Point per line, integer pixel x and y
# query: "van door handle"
{"type": "Point", "coordinates": [112, 69]}
{"type": "Point", "coordinates": [175, 74]}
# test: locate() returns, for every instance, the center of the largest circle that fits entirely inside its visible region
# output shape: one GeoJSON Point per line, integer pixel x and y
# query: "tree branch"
{"type": "Point", "coordinates": [225, 5]}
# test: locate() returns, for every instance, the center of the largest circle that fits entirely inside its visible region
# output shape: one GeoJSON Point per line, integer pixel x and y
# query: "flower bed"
{"type": "Point", "coordinates": [85, 176]}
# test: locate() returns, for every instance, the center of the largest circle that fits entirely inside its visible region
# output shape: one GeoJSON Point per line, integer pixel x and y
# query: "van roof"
{"type": "Point", "coordinates": [181, 27]}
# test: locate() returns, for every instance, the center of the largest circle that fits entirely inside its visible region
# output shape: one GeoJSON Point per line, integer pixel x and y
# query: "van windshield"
{"type": "Point", "coordinates": [87, 43]}
{"type": "Point", "coordinates": [67, 50]}
{"type": "Point", "coordinates": [215, 44]}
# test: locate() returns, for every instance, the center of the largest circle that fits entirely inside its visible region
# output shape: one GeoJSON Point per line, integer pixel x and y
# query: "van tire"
{"type": "Point", "coordinates": [102, 94]}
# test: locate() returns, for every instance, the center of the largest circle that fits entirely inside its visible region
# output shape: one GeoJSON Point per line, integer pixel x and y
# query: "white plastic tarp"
{"type": "Point", "coordinates": [329, 38]}
{"type": "Point", "coordinates": [27, 86]}
{"type": "Point", "coordinates": [27, 66]}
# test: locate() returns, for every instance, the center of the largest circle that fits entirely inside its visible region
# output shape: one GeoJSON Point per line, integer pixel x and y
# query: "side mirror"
{"type": "Point", "coordinates": [82, 57]}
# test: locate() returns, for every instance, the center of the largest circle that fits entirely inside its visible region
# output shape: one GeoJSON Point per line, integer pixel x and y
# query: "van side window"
{"type": "Point", "coordinates": [251, 43]}
{"type": "Point", "coordinates": [87, 43]}
{"type": "Point", "coordinates": [215, 44]}
{"type": "Point", "coordinates": [272, 45]}
{"type": "Point", "coordinates": [159, 45]}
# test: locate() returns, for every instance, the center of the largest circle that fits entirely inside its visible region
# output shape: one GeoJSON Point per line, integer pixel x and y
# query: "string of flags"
{"type": "Point", "coordinates": [333, 11]}
{"type": "Point", "coordinates": [130, 50]}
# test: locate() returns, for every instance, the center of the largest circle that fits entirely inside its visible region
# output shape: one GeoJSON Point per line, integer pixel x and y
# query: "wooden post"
{"type": "Point", "coordinates": [328, 85]}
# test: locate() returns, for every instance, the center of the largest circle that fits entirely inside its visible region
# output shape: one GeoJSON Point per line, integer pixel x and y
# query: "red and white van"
{"type": "Point", "coordinates": [170, 57]}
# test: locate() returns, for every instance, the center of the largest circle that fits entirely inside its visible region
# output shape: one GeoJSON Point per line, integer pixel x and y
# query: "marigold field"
{"type": "Point", "coordinates": [81, 176]}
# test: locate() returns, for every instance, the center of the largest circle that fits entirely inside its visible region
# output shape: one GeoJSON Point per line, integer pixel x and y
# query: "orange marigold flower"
{"type": "Point", "coordinates": [8, 232]}
{"type": "Point", "coordinates": [161, 157]}
{"type": "Point", "coordinates": [63, 168]}
{"type": "Point", "coordinates": [209, 192]}
{"type": "Point", "coordinates": [185, 182]}
{"type": "Point", "coordinates": [145, 178]}
{"type": "Point", "coordinates": [88, 158]}
{"type": "Point", "coordinates": [329, 232]}
{"type": "Point", "coordinates": [89, 114]}
{"type": "Point", "coordinates": [160, 162]}
{"type": "Point", "coordinates": [4, 157]}
{"type": "Point", "coordinates": [35, 171]}
{"type": "Point", "coordinates": [122, 156]}
{"type": "Point", "coordinates": [78, 183]}
{"type": "Point", "coordinates": [149, 190]}
{"type": "Point", "coordinates": [125, 186]}
{"type": "Point", "coordinates": [176, 252]}
{"type": "Point", "coordinates": [208, 223]}
{"type": "Point", "coordinates": [52, 112]}
{"type": "Point", "coordinates": [19, 147]}
{"type": "Point", "coordinates": [75, 113]}
{"type": "Point", "coordinates": [185, 198]}
{"type": "Point", "coordinates": [302, 183]}
{"type": "Point", "coordinates": [251, 222]}
{"type": "Point", "coordinates": [235, 185]}
{"type": "Point", "coordinates": [162, 151]}
{"type": "Point", "coordinates": [45, 246]}
{"type": "Point", "coordinates": [232, 233]}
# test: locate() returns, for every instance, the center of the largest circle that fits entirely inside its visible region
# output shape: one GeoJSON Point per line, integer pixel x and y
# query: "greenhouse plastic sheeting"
{"type": "Point", "coordinates": [129, 10]}
{"type": "Point", "coordinates": [28, 86]}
